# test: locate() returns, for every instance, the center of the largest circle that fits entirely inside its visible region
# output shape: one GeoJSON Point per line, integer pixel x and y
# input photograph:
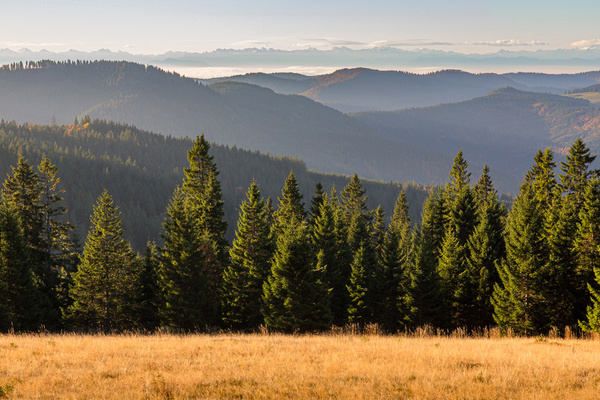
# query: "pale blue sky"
{"type": "Point", "coordinates": [157, 26]}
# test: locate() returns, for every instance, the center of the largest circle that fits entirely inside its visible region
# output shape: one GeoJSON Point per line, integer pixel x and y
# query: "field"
{"type": "Point", "coordinates": [277, 366]}
{"type": "Point", "coordinates": [592, 97]}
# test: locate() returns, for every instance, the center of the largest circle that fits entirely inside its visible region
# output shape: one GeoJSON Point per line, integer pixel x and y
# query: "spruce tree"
{"type": "Point", "coordinates": [315, 203]}
{"type": "Point", "coordinates": [250, 265]}
{"type": "Point", "coordinates": [518, 300]}
{"type": "Point", "coordinates": [148, 283]}
{"type": "Point", "coordinates": [324, 238]}
{"type": "Point", "coordinates": [105, 288]}
{"type": "Point", "coordinates": [353, 199]}
{"type": "Point", "coordinates": [459, 176]}
{"type": "Point", "coordinates": [542, 180]}
{"type": "Point", "coordinates": [425, 296]}
{"type": "Point", "coordinates": [17, 308]}
{"type": "Point", "coordinates": [294, 296]}
{"type": "Point", "coordinates": [560, 286]}
{"type": "Point", "coordinates": [576, 173]}
{"type": "Point", "coordinates": [395, 261]}
{"type": "Point", "coordinates": [185, 300]}
{"type": "Point", "coordinates": [587, 246]}
{"type": "Point", "coordinates": [291, 207]}
{"type": "Point", "coordinates": [592, 322]}
{"type": "Point", "coordinates": [360, 307]}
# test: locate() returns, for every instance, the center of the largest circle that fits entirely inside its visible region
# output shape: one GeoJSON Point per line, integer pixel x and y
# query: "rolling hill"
{"type": "Point", "coordinates": [361, 89]}
{"type": "Point", "coordinates": [233, 114]}
{"type": "Point", "coordinates": [503, 129]}
{"type": "Point", "coordinates": [141, 170]}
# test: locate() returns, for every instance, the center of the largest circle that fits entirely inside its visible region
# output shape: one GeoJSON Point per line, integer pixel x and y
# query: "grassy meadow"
{"type": "Point", "coordinates": [275, 366]}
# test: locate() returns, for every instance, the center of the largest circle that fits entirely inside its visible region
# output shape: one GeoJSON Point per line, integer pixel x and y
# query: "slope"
{"type": "Point", "coordinates": [237, 114]}
{"type": "Point", "coordinates": [502, 129]}
{"type": "Point", "coordinates": [141, 170]}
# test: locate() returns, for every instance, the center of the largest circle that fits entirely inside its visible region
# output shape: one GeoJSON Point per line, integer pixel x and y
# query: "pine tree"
{"type": "Point", "coordinates": [148, 284]}
{"type": "Point", "coordinates": [587, 246]}
{"type": "Point", "coordinates": [105, 290]}
{"type": "Point", "coordinates": [592, 324]}
{"type": "Point", "coordinates": [291, 207]}
{"type": "Point", "coordinates": [518, 300]}
{"type": "Point", "coordinates": [484, 189]}
{"type": "Point", "coordinates": [186, 303]}
{"type": "Point", "coordinates": [560, 286]}
{"type": "Point", "coordinates": [541, 178]}
{"type": "Point", "coordinates": [250, 265]}
{"type": "Point", "coordinates": [360, 309]}
{"type": "Point", "coordinates": [17, 309]}
{"type": "Point", "coordinates": [325, 240]}
{"type": "Point", "coordinates": [425, 296]}
{"type": "Point", "coordinates": [315, 203]}
{"type": "Point", "coordinates": [294, 296]}
{"type": "Point", "coordinates": [378, 231]}
{"type": "Point", "coordinates": [459, 176]}
{"type": "Point", "coordinates": [575, 172]}
{"type": "Point", "coordinates": [395, 261]}
{"type": "Point", "coordinates": [353, 199]}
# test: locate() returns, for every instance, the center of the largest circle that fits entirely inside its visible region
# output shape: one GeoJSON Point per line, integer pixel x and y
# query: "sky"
{"type": "Point", "coordinates": [159, 26]}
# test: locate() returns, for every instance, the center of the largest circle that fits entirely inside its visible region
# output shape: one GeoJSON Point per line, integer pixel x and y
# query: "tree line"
{"type": "Point", "coordinates": [295, 267]}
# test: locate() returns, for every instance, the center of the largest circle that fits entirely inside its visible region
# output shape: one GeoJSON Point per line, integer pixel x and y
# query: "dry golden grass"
{"type": "Point", "coordinates": [296, 367]}
{"type": "Point", "coordinates": [593, 97]}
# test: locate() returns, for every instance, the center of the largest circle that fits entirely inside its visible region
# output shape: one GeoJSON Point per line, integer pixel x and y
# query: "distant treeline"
{"type": "Point", "coordinates": [141, 170]}
{"type": "Point", "coordinates": [302, 265]}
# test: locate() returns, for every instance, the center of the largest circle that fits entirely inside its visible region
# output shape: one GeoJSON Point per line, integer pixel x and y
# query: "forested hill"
{"type": "Point", "coordinates": [142, 169]}
{"type": "Point", "coordinates": [362, 89]}
{"type": "Point", "coordinates": [237, 114]}
{"type": "Point", "coordinates": [501, 129]}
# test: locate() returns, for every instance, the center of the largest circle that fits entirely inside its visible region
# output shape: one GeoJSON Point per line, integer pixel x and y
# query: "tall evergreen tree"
{"type": "Point", "coordinates": [149, 300]}
{"type": "Point", "coordinates": [576, 173]}
{"type": "Point", "coordinates": [17, 308]}
{"type": "Point", "coordinates": [291, 207]}
{"type": "Point", "coordinates": [587, 246]}
{"type": "Point", "coordinates": [360, 309]}
{"type": "Point", "coordinates": [250, 265]}
{"type": "Point", "coordinates": [395, 262]}
{"type": "Point", "coordinates": [592, 322]}
{"type": "Point", "coordinates": [325, 240]}
{"type": "Point", "coordinates": [353, 199]}
{"type": "Point", "coordinates": [518, 300]}
{"type": "Point", "coordinates": [294, 296]}
{"type": "Point", "coordinates": [105, 288]}
{"type": "Point", "coordinates": [315, 203]}
{"type": "Point", "coordinates": [183, 277]}
{"type": "Point", "coordinates": [541, 178]}
{"type": "Point", "coordinates": [459, 176]}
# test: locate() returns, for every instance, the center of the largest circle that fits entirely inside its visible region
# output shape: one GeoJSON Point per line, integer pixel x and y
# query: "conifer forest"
{"type": "Point", "coordinates": [298, 264]}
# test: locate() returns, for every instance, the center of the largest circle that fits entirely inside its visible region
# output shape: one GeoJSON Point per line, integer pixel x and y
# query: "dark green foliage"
{"type": "Point", "coordinates": [560, 286]}
{"type": "Point", "coordinates": [325, 240]}
{"type": "Point", "coordinates": [459, 176]}
{"type": "Point", "coordinates": [518, 301]}
{"type": "Point", "coordinates": [17, 309]}
{"type": "Point", "coordinates": [294, 296]}
{"type": "Point", "coordinates": [149, 299]}
{"type": "Point", "coordinates": [315, 203]}
{"type": "Point", "coordinates": [575, 172]}
{"type": "Point", "coordinates": [291, 208]}
{"type": "Point", "coordinates": [250, 265]}
{"type": "Point", "coordinates": [425, 296]}
{"type": "Point", "coordinates": [592, 322]}
{"type": "Point", "coordinates": [396, 256]}
{"type": "Point", "coordinates": [353, 199]}
{"type": "Point", "coordinates": [185, 302]}
{"type": "Point", "coordinates": [541, 178]}
{"type": "Point", "coordinates": [105, 288]}
{"type": "Point", "coordinates": [587, 246]}
{"type": "Point", "coordinates": [360, 309]}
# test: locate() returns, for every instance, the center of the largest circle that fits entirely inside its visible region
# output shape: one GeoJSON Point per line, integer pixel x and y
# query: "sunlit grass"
{"type": "Point", "coordinates": [276, 366]}
{"type": "Point", "coordinates": [593, 97]}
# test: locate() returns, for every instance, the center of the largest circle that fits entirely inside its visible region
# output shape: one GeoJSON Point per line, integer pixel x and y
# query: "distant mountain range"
{"type": "Point", "coordinates": [213, 63]}
{"type": "Point", "coordinates": [361, 89]}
